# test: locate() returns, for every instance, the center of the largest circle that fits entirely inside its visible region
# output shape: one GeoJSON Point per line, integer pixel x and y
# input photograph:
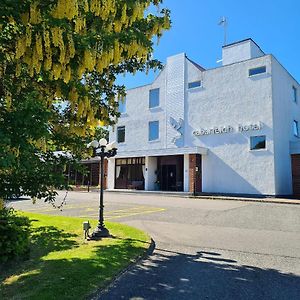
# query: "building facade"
{"type": "Point", "coordinates": [231, 129]}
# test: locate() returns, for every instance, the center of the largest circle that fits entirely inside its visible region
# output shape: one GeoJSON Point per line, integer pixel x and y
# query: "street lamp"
{"type": "Point", "coordinates": [102, 149]}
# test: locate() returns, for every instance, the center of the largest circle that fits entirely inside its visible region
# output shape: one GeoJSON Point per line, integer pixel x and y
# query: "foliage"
{"type": "Point", "coordinates": [58, 63]}
{"type": "Point", "coordinates": [14, 232]}
{"type": "Point", "coordinates": [65, 266]}
{"type": "Point", "coordinates": [101, 132]}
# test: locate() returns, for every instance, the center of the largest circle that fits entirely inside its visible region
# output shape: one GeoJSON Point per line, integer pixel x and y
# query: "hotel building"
{"type": "Point", "coordinates": [231, 129]}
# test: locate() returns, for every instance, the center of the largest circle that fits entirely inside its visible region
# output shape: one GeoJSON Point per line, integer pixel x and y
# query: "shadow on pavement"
{"type": "Point", "coordinates": [206, 275]}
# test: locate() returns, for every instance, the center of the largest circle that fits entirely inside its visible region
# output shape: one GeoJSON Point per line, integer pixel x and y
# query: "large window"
{"type": "Point", "coordinates": [295, 128]}
{"type": "Point", "coordinates": [194, 84]}
{"type": "Point", "coordinates": [130, 173]}
{"type": "Point", "coordinates": [294, 94]}
{"type": "Point", "coordinates": [121, 134]}
{"type": "Point", "coordinates": [256, 71]}
{"type": "Point", "coordinates": [153, 130]}
{"type": "Point", "coordinates": [257, 142]}
{"type": "Point", "coordinates": [122, 106]}
{"type": "Point", "coordinates": [153, 98]}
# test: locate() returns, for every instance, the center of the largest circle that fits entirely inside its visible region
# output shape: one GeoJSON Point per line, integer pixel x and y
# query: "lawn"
{"type": "Point", "coordinates": [64, 266]}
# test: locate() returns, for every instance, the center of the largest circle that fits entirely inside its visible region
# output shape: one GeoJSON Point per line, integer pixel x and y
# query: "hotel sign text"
{"type": "Point", "coordinates": [228, 129]}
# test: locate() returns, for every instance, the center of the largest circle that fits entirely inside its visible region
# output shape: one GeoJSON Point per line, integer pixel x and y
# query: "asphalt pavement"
{"type": "Point", "coordinates": [204, 249]}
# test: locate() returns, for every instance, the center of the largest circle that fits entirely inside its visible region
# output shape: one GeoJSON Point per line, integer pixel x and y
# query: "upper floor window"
{"type": "Point", "coordinates": [194, 84]}
{"type": "Point", "coordinates": [121, 134]}
{"type": "Point", "coordinates": [153, 130]}
{"type": "Point", "coordinates": [294, 94]}
{"type": "Point", "coordinates": [153, 98]}
{"type": "Point", "coordinates": [122, 106]}
{"type": "Point", "coordinates": [257, 142]}
{"type": "Point", "coordinates": [256, 71]}
{"type": "Point", "coordinates": [295, 128]}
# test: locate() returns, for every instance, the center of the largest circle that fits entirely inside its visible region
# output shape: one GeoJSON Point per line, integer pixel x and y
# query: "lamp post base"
{"type": "Point", "coordinates": [99, 233]}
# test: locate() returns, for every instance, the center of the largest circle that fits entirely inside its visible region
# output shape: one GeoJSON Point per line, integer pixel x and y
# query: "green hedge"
{"type": "Point", "coordinates": [14, 234]}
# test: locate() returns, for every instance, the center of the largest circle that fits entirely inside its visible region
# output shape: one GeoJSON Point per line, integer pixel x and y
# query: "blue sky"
{"type": "Point", "coordinates": [273, 25]}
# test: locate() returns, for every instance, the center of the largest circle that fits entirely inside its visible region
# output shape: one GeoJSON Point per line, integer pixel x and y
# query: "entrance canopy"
{"type": "Point", "coordinates": [163, 152]}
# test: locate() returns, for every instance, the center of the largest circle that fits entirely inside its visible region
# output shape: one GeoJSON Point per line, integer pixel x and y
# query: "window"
{"type": "Point", "coordinates": [153, 98]}
{"type": "Point", "coordinates": [294, 94]}
{"type": "Point", "coordinates": [130, 161]}
{"type": "Point", "coordinates": [257, 142]}
{"type": "Point", "coordinates": [257, 71]}
{"type": "Point", "coordinates": [194, 84]}
{"type": "Point", "coordinates": [121, 134]}
{"type": "Point", "coordinates": [295, 128]}
{"type": "Point", "coordinates": [130, 173]}
{"type": "Point", "coordinates": [122, 106]}
{"type": "Point", "coordinates": [153, 130]}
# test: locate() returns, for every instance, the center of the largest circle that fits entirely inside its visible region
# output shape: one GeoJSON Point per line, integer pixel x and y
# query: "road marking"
{"type": "Point", "coordinates": [134, 214]}
{"type": "Point", "coordinates": [123, 213]}
{"type": "Point", "coordinates": [133, 208]}
{"type": "Point", "coordinates": [89, 209]}
{"type": "Point", "coordinates": [109, 215]}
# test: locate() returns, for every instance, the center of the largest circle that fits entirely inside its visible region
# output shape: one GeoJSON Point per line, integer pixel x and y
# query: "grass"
{"type": "Point", "coordinates": [64, 266]}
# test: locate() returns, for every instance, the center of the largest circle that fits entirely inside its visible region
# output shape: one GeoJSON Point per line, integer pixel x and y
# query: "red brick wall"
{"type": "Point", "coordinates": [195, 176]}
{"type": "Point", "coordinates": [95, 173]}
{"type": "Point", "coordinates": [105, 173]}
{"type": "Point", "coordinates": [296, 173]}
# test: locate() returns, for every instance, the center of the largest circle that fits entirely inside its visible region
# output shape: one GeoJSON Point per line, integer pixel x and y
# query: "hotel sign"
{"type": "Point", "coordinates": [228, 129]}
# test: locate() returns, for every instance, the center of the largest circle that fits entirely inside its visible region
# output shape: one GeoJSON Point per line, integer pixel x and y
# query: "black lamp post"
{"type": "Point", "coordinates": [102, 149]}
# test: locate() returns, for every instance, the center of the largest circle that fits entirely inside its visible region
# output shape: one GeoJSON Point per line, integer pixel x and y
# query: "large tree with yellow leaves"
{"type": "Point", "coordinates": [58, 64]}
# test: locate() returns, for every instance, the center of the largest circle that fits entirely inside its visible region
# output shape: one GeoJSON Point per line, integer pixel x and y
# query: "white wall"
{"type": "Point", "coordinates": [175, 77]}
{"type": "Point", "coordinates": [240, 51]}
{"type": "Point", "coordinates": [230, 97]}
{"type": "Point", "coordinates": [186, 173]}
{"type": "Point", "coordinates": [151, 168]}
{"type": "Point", "coordinates": [255, 50]}
{"type": "Point", "coordinates": [137, 117]}
{"type": "Point", "coordinates": [285, 112]}
{"type": "Point", "coordinates": [111, 174]}
{"type": "Point", "coordinates": [138, 114]}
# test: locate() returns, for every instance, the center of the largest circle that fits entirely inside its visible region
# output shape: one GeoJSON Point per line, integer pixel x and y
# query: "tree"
{"type": "Point", "coordinates": [101, 132]}
{"type": "Point", "coordinates": [58, 64]}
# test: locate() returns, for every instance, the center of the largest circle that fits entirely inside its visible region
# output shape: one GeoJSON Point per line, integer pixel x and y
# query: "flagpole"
{"type": "Point", "coordinates": [223, 23]}
{"type": "Point", "coordinates": [225, 31]}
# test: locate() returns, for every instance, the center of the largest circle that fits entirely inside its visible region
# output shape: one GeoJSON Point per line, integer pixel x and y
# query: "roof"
{"type": "Point", "coordinates": [195, 64]}
{"type": "Point", "coordinates": [242, 41]}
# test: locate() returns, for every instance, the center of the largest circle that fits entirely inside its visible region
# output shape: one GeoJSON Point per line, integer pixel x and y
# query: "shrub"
{"type": "Point", "coordinates": [14, 234]}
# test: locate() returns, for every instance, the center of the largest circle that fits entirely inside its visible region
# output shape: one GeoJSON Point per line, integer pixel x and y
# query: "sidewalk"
{"type": "Point", "coordinates": [247, 198]}
{"type": "Point", "coordinates": [264, 199]}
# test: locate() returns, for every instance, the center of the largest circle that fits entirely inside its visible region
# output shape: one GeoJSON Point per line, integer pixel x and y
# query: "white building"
{"type": "Point", "coordinates": [231, 129]}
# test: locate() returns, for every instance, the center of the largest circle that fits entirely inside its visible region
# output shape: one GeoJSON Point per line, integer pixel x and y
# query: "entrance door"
{"type": "Point", "coordinates": [170, 173]}
{"type": "Point", "coordinates": [168, 178]}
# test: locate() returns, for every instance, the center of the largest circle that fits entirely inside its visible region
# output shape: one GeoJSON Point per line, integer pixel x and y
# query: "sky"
{"type": "Point", "coordinates": [273, 24]}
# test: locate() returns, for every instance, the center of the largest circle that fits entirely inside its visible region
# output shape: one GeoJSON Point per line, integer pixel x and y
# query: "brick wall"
{"type": "Point", "coordinates": [195, 176]}
{"type": "Point", "coordinates": [95, 173]}
{"type": "Point", "coordinates": [105, 173]}
{"type": "Point", "coordinates": [296, 173]}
